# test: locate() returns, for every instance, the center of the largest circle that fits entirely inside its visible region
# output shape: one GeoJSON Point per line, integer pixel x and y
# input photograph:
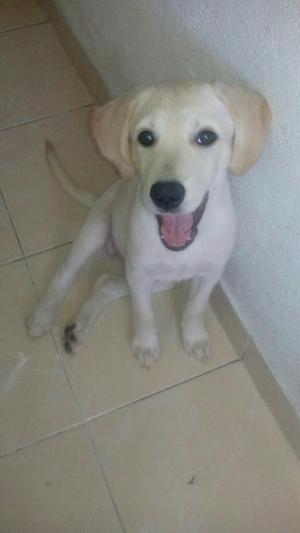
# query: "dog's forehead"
{"type": "Point", "coordinates": [184, 98]}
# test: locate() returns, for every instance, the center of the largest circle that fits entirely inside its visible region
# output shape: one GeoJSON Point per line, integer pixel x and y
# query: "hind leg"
{"type": "Point", "coordinates": [91, 238]}
{"type": "Point", "coordinates": [107, 289]}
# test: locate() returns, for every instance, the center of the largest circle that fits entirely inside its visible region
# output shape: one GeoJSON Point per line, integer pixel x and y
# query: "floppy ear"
{"type": "Point", "coordinates": [110, 126]}
{"type": "Point", "coordinates": [251, 115]}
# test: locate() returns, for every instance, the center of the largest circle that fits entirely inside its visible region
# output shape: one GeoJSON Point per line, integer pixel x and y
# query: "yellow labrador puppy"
{"type": "Point", "coordinates": [170, 217]}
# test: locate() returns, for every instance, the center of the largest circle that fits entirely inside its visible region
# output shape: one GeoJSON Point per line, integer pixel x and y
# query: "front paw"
{"type": "Point", "coordinates": [146, 353]}
{"type": "Point", "coordinates": [201, 349]}
{"type": "Point", "coordinates": [196, 341]}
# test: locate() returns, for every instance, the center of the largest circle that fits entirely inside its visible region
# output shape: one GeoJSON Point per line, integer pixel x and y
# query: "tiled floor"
{"type": "Point", "coordinates": [95, 443]}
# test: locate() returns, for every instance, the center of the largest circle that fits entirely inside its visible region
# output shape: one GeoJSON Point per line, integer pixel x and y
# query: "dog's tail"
{"type": "Point", "coordinates": [85, 198]}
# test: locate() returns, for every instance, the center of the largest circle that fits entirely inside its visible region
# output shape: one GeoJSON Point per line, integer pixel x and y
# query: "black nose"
{"type": "Point", "coordinates": [167, 195]}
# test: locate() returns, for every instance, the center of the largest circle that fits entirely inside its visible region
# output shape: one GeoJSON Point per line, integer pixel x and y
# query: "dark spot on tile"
{"type": "Point", "coordinates": [192, 481]}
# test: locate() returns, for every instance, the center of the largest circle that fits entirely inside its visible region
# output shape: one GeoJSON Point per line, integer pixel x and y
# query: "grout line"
{"type": "Point", "coordinates": [101, 470]}
{"type": "Point", "coordinates": [161, 391]}
{"type": "Point", "coordinates": [33, 254]}
{"type": "Point", "coordinates": [44, 250]}
{"type": "Point", "coordinates": [68, 380]}
{"type": "Point", "coordinates": [38, 119]}
{"type": "Point", "coordinates": [41, 439]}
{"type": "Point", "coordinates": [25, 26]}
{"type": "Point", "coordinates": [86, 420]}
{"type": "Point", "coordinates": [12, 223]}
{"type": "Point", "coordinates": [87, 430]}
{"type": "Point", "coordinates": [19, 242]}
{"type": "Point", "coordinates": [32, 279]}
{"type": "Point", "coordinates": [10, 261]}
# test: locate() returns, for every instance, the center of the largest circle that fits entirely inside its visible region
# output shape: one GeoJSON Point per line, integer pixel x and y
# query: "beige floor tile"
{"type": "Point", "coordinates": [37, 78]}
{"type": "Point", "coordinates": [55, 486]}
{"type": "Point", "coordinates": [205, 457]}
{"type": "Point", "coordinates": [9, 248]}
{"type": "Point", "coordinates": [30, 188]}
{"type": "Point", "coordinates": [35, 399]}
{"type": "Point", "coordinates": [105, 374]}
{"type": "Point", "coordinates": [18, 13]}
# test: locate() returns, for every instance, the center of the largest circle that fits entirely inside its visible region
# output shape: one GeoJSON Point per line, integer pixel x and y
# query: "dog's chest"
{"type": "Point", "coordinates": [173, 273]}
{"type": "Point", "coordinates": [168, 266]}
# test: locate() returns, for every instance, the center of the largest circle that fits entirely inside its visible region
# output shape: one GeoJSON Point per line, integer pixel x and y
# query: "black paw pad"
{"type": "Point", "coordinates": [69, 328]}
{"type": "Point", "coordinates": [68, 347]}
{"type": "Point", "coordinates": [69, 337]}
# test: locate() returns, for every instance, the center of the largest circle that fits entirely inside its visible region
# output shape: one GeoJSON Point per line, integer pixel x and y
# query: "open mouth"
{"type": "Point", "coordinates": [178, 230]}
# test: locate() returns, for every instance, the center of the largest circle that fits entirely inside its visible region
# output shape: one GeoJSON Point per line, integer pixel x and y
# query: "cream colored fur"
{"type": "Point", "coordinates": [126, 214]}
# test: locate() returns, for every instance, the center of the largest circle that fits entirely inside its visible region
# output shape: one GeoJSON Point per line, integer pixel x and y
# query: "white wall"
{"type": "Point", "coordinates": [257, 42]}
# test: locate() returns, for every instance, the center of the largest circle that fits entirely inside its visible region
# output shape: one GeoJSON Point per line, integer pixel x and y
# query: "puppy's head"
{"type": "Point", "coordinates": [180, 139]}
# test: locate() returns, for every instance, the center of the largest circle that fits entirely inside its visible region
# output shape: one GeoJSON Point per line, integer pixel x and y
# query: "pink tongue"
{"type": "Point", "coordinates": [176, 229]}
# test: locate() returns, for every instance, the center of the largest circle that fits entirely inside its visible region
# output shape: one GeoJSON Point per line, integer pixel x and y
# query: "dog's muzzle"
{"type": "Point", "coordinates": [178, 230]}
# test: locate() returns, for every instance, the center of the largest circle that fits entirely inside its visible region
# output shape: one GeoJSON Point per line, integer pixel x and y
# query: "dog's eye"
{"type": "Point", "coordinates": [146, 138]}
{"type": "Point", "coordinates": [206, 137]}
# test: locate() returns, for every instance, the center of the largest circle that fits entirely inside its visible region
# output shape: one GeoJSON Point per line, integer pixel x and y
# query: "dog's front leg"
{"type": "Point", "coordinates": [145, 340]}
{"type": "Point", "coordinates": [195, 337]}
